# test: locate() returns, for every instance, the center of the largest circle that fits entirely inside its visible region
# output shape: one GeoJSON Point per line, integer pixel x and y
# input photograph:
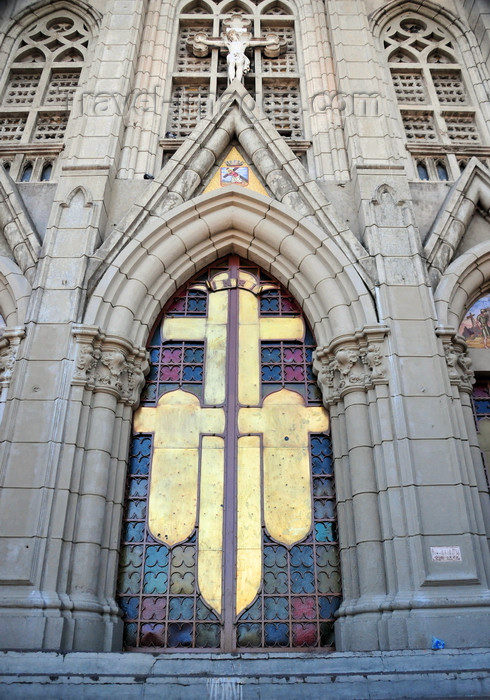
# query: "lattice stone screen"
{"type": "Point", "coordinates": [282, 104]}
{"type": "Point", "coordinates": [186, 63]}
{"type": "Point", "coordinates": [462, 127]}
{"type": "Point", "coordinates": [188, 106]}
{"type": "Point", "coordinates": [419, 126]}
{"type": "Point", "coordinates": [12, 128]}
{"type": "Point", "coordinates": [409, 87]}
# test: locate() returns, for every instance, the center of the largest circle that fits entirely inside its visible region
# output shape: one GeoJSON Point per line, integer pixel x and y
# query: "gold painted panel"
{"type": "Point", "coordinates": [184, 329]}
{"type": "Point", "coordinates": [177, 423]}
{"type": "Point", "coordinates": [249, 349]}
{"type": "Point", "coordinates": [249, 530]}
{"type": "Point", "coordinates": [216, 338]}
{"type": "Point", "coordinates": [173, 494]}
{"type": "Point", "coordinates": [285, 423]}
{"type": "Point", "coordinates": [252, 329]}
{"type": "Point", "coordinates": [213, 330]}
{"type": "Point", "coordinates": [210, 539]}
{"type": "Point", "coordinates": [287, 493]}
{"type": "Point", "coordinates": [285, 328]}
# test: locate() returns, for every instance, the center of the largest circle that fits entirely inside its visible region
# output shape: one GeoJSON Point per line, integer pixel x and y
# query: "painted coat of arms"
{"type": "Point", "coordinates": [234, 172]}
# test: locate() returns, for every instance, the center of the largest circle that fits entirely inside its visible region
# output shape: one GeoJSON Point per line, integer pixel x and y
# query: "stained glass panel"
{"type": "Point", "coordinates": [184, 587]}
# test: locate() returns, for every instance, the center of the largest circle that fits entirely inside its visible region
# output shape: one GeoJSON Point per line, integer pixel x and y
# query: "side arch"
{"type": "Point", "coordinates": [164, 253]}
{"type": "Point", "coordinates": [466, 279]}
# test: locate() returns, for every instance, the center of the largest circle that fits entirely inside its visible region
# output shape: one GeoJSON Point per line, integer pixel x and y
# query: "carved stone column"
{"type": "Point", "coordinates": [110, 373]}
{"type": "Point", "coordinates": [462, 378]}
{"type": "Point", "coordinates": [350, 372]}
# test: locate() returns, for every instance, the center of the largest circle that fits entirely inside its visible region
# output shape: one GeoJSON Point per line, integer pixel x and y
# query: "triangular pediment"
{"type": "Point", "coordinates": [16, 228]}
{"type": "Point", "coordinates": [451, 224]}
{"type": "Point", "coordinates": [236, 119]}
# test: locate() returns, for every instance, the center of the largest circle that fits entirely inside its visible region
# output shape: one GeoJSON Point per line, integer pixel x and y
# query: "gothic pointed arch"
{"type": "Point", "coordinates": [163, 252]}
{"type": "Point", "coordinates": [183, 178]}
{"type": "Point", "coordinates": [232, 534]}
{"type": "Point", "coordinates": [40, 9]}
{"type": "Point", "coordinates": [393, 9]}
{"type": "Point", "coordinates": [462, 300]}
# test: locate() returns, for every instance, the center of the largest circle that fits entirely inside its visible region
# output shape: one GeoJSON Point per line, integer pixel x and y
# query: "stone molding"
{"type": "Point", "coordinates": [18, 229]}
{"type": "Point", "coordinates": [449, 227]}
{"type": "Point", "coordinates": [352, 363]}
{"type": "Point", "coordinates": [457, 359]}
{"type": "Point", "coordinates": [464, 281]}
{"type": "Point", "coordinates": [236, 116]}
{"type": "Point", "coordinates": [109, 363]}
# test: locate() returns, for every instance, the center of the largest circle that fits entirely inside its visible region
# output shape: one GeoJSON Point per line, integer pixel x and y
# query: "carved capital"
{"type": "Point", "coordinates": [7, 360]}
{"type": "Point", "coordinates": [110, 364]}
{"type": "Point", "coordinates": [373, 358]}
{"type": "Point", "coordinates": [351, 364]}
{"type": "Point", "coordinates": [458, 361]}
{"type": "Point", "coordinates": [9, 345]}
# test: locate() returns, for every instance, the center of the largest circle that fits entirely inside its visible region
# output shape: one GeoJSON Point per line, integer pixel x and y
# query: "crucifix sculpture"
{"type": "Point", "coordinates": [237, 39]}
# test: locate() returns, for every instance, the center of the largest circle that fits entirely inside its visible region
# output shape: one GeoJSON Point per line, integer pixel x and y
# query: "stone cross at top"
{"type": "Point", "coordinates": [237, 38]}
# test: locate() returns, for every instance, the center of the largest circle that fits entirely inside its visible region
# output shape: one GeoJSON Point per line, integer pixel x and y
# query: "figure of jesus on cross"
{"type": "Point", "coordinates": [237, 39]}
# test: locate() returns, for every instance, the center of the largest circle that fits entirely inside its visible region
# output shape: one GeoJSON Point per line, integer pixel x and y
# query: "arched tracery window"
{"type": "Point", "coordinates": [229, 537]}
{"type": "Point", "coordinates": [443, 128]}
{"type": "Point", "coordinates": [198, 81]}
{"type": "Point", "coordinates": [36, 92]}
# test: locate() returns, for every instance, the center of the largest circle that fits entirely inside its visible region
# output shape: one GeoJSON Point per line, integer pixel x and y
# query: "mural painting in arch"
{"type": "Point", "coordinates": [229, 536]}
{"type": "Point", "coordinates": [475, 326]}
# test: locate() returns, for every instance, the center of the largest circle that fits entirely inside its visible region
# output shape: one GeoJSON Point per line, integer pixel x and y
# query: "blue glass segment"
{"type": "Point", "coordinates": [276, 634]}
{"type": "Point", "coordinates": [180, 634]}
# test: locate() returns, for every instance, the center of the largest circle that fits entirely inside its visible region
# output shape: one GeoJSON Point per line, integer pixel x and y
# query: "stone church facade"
{"type": "Point", "coordinates": [345, 174]}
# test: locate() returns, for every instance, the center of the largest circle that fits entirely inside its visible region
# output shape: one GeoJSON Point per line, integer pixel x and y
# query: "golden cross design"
{"type": "Point", "coordinates": [188, 472]}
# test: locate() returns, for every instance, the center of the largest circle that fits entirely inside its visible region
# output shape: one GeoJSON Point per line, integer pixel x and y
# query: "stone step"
{"type": "Point", "coordinates": [445, 673]}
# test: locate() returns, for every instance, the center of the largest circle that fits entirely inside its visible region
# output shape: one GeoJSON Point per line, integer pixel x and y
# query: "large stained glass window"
{"type": "Point", "coordinates": [229, 537]}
